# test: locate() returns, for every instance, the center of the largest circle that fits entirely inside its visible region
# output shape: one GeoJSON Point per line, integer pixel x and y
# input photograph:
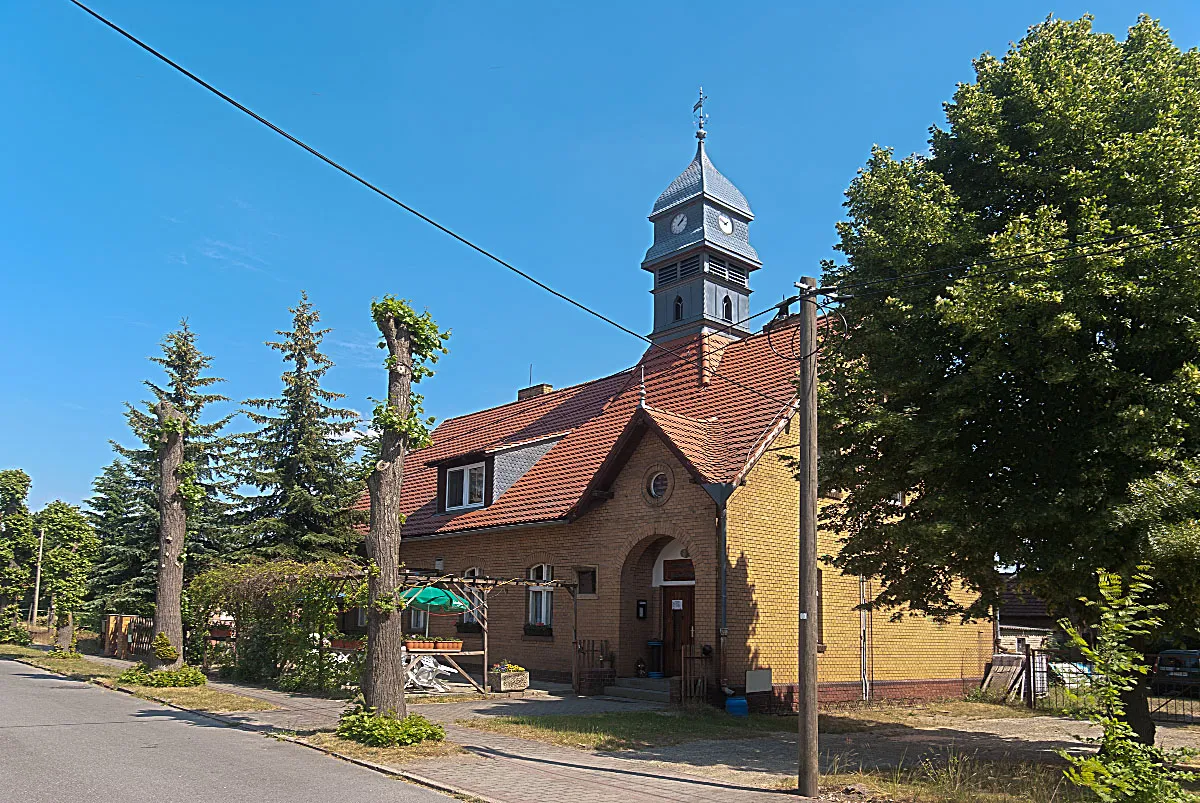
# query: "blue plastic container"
{"type": "Point", "coordinates": [737, 707]}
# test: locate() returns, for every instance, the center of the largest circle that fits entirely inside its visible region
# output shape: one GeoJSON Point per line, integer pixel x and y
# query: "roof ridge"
{"type": "Point", "coordinates": [540, 398]}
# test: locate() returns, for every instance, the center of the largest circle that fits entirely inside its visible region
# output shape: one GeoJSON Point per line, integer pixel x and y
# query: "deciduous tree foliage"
{"type": "Point", "coordinates": [70, 550]}
{"type": "Point", "coordinates": [18, 544]}
{"type": "Point", "coordinates": [1018, 406]}
{"type": "Point", "coordinates": [301, 456]}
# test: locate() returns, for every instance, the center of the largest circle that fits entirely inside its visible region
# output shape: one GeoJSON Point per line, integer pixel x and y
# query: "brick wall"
{"type": "Point", "coordinates": [763, 610]}
{"type": "Point", "coordinates": [621, 538]}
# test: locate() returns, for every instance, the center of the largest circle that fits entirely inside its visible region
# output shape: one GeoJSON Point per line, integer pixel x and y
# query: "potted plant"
{"type": "Point", "coordinates": [449, 644]}
{"type": "Point", "coordinates": [346, 642]}
{"type": "Point", "coordinates": [507, 676]}
{"type": "Point", "coordinates": [415, 641]}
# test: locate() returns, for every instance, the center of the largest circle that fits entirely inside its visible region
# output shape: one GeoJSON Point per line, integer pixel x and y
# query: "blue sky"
{"type": "Point", "coordinates": [133, 198]}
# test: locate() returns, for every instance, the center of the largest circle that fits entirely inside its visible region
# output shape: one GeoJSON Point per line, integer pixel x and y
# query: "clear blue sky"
{"type": "Point", "coordinates": [132, 198]}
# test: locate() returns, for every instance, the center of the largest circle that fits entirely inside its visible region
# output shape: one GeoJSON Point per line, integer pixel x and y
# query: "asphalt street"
{"type": "Point", "coordinates": [62, 740]}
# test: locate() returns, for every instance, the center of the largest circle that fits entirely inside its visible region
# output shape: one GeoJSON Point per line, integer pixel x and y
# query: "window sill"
{"type": "Point", "coordinates": [539, 631]}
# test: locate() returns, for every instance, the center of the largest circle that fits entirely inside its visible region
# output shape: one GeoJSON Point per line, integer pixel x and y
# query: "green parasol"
{"type": "Point", "coordinates": [435, 599]}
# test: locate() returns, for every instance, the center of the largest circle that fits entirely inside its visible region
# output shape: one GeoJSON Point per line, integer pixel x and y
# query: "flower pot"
{"type": "Point", "coordinates": [346, 644]}
{"type": "Point", "coordinates": [419, 646]}
{"type": "Point", "coordinates": [450, 645]}
{"type": "Point", "coordinates": [508, 681]}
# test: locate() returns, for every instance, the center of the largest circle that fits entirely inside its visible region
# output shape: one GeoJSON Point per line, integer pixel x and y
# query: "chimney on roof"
{"type": "Point", "coordinates": [534, 390]}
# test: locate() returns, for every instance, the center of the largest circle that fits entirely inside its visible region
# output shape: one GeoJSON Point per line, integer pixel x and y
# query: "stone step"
{"type": "Point", "coordinates": [632, 693]}
{"type": "Point", "coordinates": [652, 684]}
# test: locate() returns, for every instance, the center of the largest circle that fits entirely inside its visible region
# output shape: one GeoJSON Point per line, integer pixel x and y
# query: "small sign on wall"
{"type": "Point", "coordinates": [641, 609]}
{"type": "Point", "coordinates": [677, 605]}
{"type": "Point", "coordinates": [758, 680]}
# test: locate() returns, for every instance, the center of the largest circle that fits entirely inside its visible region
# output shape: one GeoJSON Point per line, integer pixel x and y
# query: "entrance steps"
{"type": "Point", "coordinates": [652, 690]}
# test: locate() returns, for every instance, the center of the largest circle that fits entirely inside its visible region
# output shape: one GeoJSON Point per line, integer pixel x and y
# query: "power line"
{"type": "Point", "coordinates": [999, 260]}
{"type": "Point", "coordinates": [411, 210]}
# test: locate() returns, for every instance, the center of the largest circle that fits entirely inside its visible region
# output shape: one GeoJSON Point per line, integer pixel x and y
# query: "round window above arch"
{"type": "Point", "coordinates": [657, 484]}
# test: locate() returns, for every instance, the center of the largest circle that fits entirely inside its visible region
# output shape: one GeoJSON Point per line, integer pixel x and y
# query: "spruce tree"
{"type": "Point", "coordinates": [300, 458]}
{"type": "Point", "coordinates": [122, 511]}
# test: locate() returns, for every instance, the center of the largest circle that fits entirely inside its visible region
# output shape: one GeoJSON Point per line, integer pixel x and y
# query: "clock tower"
{"type": "Point", "coordinates": [701, 258]}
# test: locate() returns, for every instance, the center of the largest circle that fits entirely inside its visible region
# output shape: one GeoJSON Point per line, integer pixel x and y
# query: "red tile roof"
{"type": "Point", "coordinates": [720, 427]}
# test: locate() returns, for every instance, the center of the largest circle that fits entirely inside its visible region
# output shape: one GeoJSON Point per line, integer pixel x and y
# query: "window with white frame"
{"type": "Point", "coordinates": [464, 486]}
{"type": "Point", "coordinates": [417, 620]}
{"type": "Point", "coordinates": [473, 595]}
{"type": "Point", "coordinates": [541, 598]}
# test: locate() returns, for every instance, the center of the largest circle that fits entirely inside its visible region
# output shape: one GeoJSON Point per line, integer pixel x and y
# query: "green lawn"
{"type": "Point", "coordinates": [628, 730]}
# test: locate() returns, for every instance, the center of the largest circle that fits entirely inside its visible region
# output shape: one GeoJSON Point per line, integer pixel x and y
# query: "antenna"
{"type": "Point", "coordinates": [530, 374]}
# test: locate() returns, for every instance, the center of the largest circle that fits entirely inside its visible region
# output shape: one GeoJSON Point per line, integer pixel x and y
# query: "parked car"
{"type": "Point", "coordinates": [1177, 672]}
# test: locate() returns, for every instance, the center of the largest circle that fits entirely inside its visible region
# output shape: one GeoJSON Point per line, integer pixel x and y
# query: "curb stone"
{"type": "Point", "coordinates": [391, 772]}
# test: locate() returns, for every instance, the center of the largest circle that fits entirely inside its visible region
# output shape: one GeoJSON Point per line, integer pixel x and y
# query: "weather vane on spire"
{"type": "Point", "coordinates": [701, 117]}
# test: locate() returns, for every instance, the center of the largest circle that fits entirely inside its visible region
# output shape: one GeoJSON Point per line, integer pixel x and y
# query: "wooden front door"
{"type": "Point", "coordinates": [679, 625]}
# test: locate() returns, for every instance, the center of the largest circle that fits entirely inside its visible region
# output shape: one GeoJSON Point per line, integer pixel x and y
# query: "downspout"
{"type": "Point", "coordinates": [720, 493]}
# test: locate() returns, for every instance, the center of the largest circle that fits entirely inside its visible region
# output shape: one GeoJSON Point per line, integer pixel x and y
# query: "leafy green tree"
{"type": "Point", "coordinates": [1015, 403]}
{"type": "Point", "coordinates": [18, 544]}
{"type": "Point", "coordinates": [70, 550]}
{"type": "Point", "coordinates": [122, 511]}
{"type": "Point", "coordinates": [300, 458]}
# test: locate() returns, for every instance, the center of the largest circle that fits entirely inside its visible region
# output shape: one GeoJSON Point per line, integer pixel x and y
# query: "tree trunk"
{"type": "Point", "coordinates": [1137, 710]}
{"type": "Point", "coordinates": [64, 636]}
{"type": "Point", "coordinates": [168, 616]}
{"type": "Point", "coordinates": [383, 674]}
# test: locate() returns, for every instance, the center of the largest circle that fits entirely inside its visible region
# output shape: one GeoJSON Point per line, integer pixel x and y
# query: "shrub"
{"type": "Point", "coordinates": [1124, 768]}
{"type": "Point", "coordinates": [142, 675]}
{"type": "Point", "coordinates": [163, 649]}
{"type": "Point", "coordinates": [319, 672]}
{"type": "Point", "coordinates": [15, 633]}
{"type": "Point", "coordinates": [363, 725]}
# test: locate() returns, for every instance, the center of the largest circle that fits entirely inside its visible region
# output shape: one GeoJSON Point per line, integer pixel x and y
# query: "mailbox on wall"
{"type": "Point", "coordinates": [641, 608]}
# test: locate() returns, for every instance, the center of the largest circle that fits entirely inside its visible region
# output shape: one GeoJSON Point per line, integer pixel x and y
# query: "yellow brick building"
{"type": "Point", "coordinates": [660, 491]}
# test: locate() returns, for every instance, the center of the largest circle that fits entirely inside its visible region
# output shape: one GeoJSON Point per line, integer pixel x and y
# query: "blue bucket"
{"type": "Point", "coordinates": [737, 707]}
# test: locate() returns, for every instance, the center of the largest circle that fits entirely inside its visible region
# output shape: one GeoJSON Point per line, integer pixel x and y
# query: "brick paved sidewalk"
{"type": "Point", "coordinates": [506, 769]}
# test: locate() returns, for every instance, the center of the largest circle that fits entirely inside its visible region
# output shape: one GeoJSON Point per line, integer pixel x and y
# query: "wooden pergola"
{"type": "Point", "coordinates": [476, 590]}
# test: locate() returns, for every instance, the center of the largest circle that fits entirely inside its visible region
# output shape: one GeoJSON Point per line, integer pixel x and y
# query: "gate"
{"type": "Point", "coordinates": [697, 667]}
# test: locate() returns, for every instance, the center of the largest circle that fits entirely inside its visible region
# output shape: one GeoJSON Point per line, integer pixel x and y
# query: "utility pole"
{"type": "Point", "coordinates": [806, 697]}
{"type": "Point", "coordinates": [37, 583]}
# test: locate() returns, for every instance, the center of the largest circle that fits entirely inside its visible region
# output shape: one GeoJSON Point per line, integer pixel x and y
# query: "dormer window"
{"type": "Point", "coordinates": [464, 486]}
{"type": "Point", "coordinates": [678, 308]}
{"type": "Point", "coordinates": [727, 309]}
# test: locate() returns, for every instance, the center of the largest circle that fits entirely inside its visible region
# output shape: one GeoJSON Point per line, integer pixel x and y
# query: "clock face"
{"type": "Point", "coordinates": [725, 223]}
{"type": "Point", "coordinates": [679, 223]}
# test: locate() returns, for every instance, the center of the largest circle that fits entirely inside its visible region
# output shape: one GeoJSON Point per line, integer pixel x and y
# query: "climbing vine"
{"type": "Point", "coordinates": [285, 614]}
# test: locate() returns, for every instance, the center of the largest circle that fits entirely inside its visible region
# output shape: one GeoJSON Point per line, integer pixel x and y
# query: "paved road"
{"type": "Point", "coordinates": [62, 740]}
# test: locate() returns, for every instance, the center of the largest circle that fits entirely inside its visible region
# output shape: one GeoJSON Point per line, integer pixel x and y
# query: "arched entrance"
{"type": "Point", "coordinates": [658, 604]}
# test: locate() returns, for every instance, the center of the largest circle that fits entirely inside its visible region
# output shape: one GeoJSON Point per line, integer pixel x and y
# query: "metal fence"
{"type": "Point", "coordinates": [1061, 680]}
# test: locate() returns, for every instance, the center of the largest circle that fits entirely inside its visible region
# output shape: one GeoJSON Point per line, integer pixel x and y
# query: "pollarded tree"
{"type": "Point", "coordinates": [1018, 401]}
{"type": "Point", "coordinates": [123, 512]}
{"type": "Point", "coordinates": [413, 342]}
{"type": "Point", "coordinates": [206, 447]}
{"type": "Point", "coordinates": [70, 551]}
{"type": "Point", "coordinates": [301, 456]}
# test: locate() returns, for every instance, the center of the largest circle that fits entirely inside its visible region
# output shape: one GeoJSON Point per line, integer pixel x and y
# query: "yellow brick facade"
{"type": "Point", "coordinates": [911, 657]}
{"type": "Point", "coordinates": [621, 538]}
